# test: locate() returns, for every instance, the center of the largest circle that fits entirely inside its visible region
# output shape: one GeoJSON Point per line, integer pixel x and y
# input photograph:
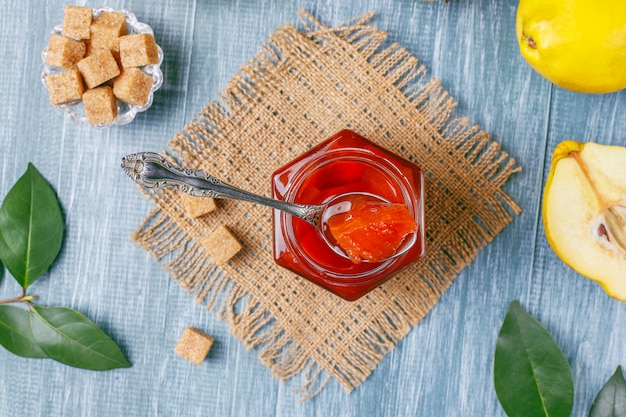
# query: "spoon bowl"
{"type": "Point", "coordinates": [343, 204]}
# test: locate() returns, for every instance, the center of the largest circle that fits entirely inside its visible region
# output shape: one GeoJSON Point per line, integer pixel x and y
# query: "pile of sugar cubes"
{"type": "Point", "coordinates": [102, 62]}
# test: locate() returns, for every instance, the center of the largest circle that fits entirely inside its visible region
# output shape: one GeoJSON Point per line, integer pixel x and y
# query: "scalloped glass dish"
{"type": "Point", "coordinates": [125, 112]}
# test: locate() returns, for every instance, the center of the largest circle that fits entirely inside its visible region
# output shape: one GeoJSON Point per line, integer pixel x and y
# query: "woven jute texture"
{"type": "Point", "coordinates": [300, 88]}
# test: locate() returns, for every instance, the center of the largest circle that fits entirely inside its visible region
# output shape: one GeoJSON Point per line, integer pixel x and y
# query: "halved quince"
{"type": "Point", "coordinates": [584, 211]}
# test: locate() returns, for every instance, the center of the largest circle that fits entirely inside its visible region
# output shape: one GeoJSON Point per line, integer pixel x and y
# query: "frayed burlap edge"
{"type": "Point", "coordinates": [173, 239]}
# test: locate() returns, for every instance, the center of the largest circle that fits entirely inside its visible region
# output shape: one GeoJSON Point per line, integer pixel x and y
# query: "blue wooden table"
{"type": "Point", "coordinates": [442, 368]}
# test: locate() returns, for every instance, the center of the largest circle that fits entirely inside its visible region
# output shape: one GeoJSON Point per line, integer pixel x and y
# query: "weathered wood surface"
{"type": "Point", "coordinates": [442, 368]}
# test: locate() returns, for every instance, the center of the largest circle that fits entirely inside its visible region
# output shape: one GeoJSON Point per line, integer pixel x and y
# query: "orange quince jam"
{"type": "Point", "coordinates": [371, 230]}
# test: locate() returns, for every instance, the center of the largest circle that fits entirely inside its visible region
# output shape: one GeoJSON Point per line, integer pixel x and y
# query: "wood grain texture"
{"type": "Point", "coordinates": [442, 368]}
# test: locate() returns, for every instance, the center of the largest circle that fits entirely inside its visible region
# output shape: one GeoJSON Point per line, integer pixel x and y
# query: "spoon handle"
{"type": "Point", "coordinates": [152, 170]}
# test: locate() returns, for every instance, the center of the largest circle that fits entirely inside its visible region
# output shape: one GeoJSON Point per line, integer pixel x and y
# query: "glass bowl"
{"type": "Point", "coordinates": [125, 112]}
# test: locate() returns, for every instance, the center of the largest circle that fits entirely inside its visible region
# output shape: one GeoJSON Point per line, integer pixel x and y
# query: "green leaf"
{"type": "Point", "coordinates": [531, 375]}
{"type": "Point", "coordinates": [31, 227]}
{"type": "Point", "coordinates": [15, 333]}
{"type": "Point", "coordinates": [69, 337]}
{"type": "Point", "coordinates": [611, 400]}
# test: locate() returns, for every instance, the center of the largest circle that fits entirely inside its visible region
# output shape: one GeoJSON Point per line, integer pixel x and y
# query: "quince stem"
{"type": "Point", "coordinates": [531, 42]}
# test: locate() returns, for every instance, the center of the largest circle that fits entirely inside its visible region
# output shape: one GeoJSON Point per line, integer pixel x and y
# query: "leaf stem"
{"type": "Point", "coordinates": [20, 299]}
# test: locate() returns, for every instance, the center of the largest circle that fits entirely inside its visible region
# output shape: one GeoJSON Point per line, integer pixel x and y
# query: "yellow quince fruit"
{"type": "Point", "coordinates": [584, 211]}
{"type": "Point", "coordinates": [579, 45]}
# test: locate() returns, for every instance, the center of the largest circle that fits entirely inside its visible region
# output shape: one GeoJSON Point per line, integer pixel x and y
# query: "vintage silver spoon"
{"type": "Point", "coordinates": [152, 170]}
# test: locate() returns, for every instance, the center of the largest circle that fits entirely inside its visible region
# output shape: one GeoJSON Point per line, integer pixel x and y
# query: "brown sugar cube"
{"type": "Point", "coordinates": [64, 52]}
{"type": "Point", "coordinates": [221, 245]}
{"type": "Point", "coordinates": [88, 49]}
{"type": "Point", "coordinates": [113, 23]}
{"type": "Point", "coordinates": [98, 68]}
{"type": "Point", "coordinates": [104, 41]}
{"type": "Point", "coordinates": [100, 105]}
{"type": "Point", "coordinates": [95, 46]}
{"type": "Point", "coordinates": [194, 345]}
{"type": "Point", "coordinates": [65, 87]}
{"type": "Point", "coordinates": [197, 206]}
{"type": "Point", "coordinates": [138, 50]}
{"type": "Point", "coordinates": [105, 31]}
{"type": "Point", "coordinates": [133, 86]}
{"type": "Point", "coordinates": [77, 22]}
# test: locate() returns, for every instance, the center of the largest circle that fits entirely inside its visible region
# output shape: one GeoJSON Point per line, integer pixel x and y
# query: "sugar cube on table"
{"type": "Point", "coordinates": [100, 105]}
{"type": "Point", "coordinates": [194, 345]}
{"type": "Point", "coordinates": [64, 52]}
{"type": "Point", "coordinates": [65, 87]}
{"type": "Point", "coordinates": [197, 206]}
{"type": "Point", "coordinates": [221, 245]}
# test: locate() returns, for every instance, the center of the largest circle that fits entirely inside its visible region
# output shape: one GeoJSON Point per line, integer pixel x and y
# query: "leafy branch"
{"type": "Point", "coordinates": [31, 235]}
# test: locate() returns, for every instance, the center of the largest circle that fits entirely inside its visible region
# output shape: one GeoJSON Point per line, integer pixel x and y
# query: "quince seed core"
{"type": "Point", "coordinates": [615, 226]}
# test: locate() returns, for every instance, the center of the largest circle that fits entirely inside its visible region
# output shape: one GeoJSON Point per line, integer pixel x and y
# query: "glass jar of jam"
{"type": "Point", "coordinates": [343, 164]}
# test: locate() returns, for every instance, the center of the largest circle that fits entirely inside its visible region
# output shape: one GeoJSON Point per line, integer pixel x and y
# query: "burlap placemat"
{"type": "Point", "coordinates": [301, 88]}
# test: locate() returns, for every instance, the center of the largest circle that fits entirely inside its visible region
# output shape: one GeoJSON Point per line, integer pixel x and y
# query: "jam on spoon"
{"type": "Point", "coordinates": [368, 228]}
